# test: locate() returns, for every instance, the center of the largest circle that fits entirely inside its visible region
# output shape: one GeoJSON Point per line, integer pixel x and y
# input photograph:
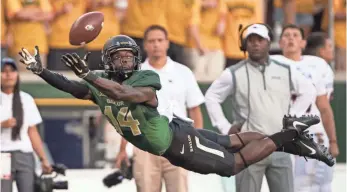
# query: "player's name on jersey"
{"type": "Point", "coordinates": [117, 103]}
{"type": "Point", "coordinates": [111, 101]}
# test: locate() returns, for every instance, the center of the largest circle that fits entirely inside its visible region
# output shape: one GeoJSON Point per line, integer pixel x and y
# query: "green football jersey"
{"type": "Point", "coordinates": [139, 124]}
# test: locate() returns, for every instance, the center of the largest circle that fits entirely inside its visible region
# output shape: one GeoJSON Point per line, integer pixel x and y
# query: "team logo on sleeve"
{"type": "Point", "coordinates": [101, 94]}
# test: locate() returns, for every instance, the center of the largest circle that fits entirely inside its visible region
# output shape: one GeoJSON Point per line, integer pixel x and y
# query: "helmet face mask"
{"type": "Point", "coordinates": [120, 57]}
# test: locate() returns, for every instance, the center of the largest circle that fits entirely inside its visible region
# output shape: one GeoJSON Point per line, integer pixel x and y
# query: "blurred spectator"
{"type": "Point", "coordinates": [183, 18]}
{"type": "Point", "coordinates": [140, 15]}
{"type": "Point", "coordinates": [65, 14]}
{"type": "Point", "coordinates": [179, 87]}
{"type": "Point", "coordinates": [339, 32]}
{"type": "Point", "coordinates": [304, 10]}
{"type": "Point", "coordinates": [242, 12]}
{"type": "Point", "coordinates": [4, 43]}
{"type": "Point", "coordinates": [27, 19]}
{"type": "Point", "coordinates": [209, 66]}
{"type": "Point", "coordinates": [311, 175]}
{"type": "Point", "coordinates": [19, 135]}
{"type": "Point", "coordinates": [319, 44]}
{"type": "Point", "coordinates": [111, 28]}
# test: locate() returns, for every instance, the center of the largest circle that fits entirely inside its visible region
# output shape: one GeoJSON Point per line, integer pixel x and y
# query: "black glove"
{"type": "Point", "coordinates": [76, 64]}
{"type": "Point", "coordinates": [33, 63]}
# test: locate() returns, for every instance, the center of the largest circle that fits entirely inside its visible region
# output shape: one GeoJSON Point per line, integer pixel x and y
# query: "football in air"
{"type": "Point", "coordinates": [86, 28]}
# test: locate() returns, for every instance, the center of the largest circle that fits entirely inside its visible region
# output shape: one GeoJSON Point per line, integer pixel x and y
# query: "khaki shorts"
{"type": "Point", "coordinates": [149, 170]}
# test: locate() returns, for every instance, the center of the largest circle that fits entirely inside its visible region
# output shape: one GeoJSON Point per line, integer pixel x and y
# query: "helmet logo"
{"type": "Point", "coordinates": [89, 27]}
{"type": "Point", "coordinates": [125, 43]}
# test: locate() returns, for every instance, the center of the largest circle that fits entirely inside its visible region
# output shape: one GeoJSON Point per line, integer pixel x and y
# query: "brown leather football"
{"type": "Point", "coordinates": [86, 28]}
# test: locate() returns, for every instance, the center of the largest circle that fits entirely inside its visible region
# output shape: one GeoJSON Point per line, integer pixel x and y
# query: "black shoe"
{"type": "Point", "coordinates": [304, 145]}
{"type": "Point", "coordinates": [299, 123]}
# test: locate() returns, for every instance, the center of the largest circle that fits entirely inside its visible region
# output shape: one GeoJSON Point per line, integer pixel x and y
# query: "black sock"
{"type": "Point", "coordinates": [281, 138]}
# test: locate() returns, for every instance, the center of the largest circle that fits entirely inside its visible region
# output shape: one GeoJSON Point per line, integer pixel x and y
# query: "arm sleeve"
{"type": "Point", "coordinates": [194, 96]}
{"type": "Point", "coordinates": [215, 96]}
{"type": "Point", "coordinates": [59, 81]}
{"type": "Point", "coordinates": [305, 91]}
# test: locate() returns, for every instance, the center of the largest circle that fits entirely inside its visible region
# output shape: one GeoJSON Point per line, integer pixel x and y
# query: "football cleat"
{"type": "Point", "coordinates": [299, 123]}
{"type": "Point", "coordinates": [304, 145]}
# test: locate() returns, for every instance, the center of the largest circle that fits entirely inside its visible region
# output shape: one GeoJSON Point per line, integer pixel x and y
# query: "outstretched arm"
{"type": "Point", "coordinates": [59, 81]}
{"type": "Point", "coordinates": [34, 64]}
{"type": "Point", "coordinates": [110, 88]}
{"type": "Point", "coordinates": [117, 91]}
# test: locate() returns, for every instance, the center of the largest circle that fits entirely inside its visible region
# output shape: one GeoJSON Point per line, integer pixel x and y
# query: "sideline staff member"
{"type": "Point", "coordinates": [258, 85]}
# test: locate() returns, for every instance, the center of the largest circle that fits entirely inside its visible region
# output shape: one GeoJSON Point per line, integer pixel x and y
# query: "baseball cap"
{"type": "Point", "coordinates": [258, 29]}
{"type": "Point", "coordinates": [8, 61]}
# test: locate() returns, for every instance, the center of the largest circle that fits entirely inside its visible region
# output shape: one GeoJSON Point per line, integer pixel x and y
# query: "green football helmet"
{"type": "Point", "coordinates": [119, 43]}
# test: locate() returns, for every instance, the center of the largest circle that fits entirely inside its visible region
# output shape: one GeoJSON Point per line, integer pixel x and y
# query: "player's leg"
{"type": "Point", "coordinates": [294, 134]}
{"type": "Point", "coordinates": [192, 151]}
{"type": "Point", "coordinates": [232, 142]}
{"type": "Point", "coordinates": [257, 150]}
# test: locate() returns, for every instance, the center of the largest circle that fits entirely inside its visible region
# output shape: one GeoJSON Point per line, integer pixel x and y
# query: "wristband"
{"type": "Point", "coordinates": [90, 77]}
{"type": "Point", "coordinates": [332, 141]}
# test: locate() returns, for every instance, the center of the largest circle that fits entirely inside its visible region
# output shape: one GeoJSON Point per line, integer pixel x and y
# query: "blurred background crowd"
{"type": "Point", "coordinates": [204, 34]}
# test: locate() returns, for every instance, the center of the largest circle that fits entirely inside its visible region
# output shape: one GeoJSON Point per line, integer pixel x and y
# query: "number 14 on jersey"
{"type": "Point", "coordinates": [124, 119]}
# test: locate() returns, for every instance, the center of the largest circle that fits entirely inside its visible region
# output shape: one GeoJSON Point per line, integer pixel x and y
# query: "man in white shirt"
{"type": "Point", "coordinates": [181, 90]}
{"type": "Point", "coordinates": [311, 176]}
{"type": "Point", "coordinates": [260, 90]}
